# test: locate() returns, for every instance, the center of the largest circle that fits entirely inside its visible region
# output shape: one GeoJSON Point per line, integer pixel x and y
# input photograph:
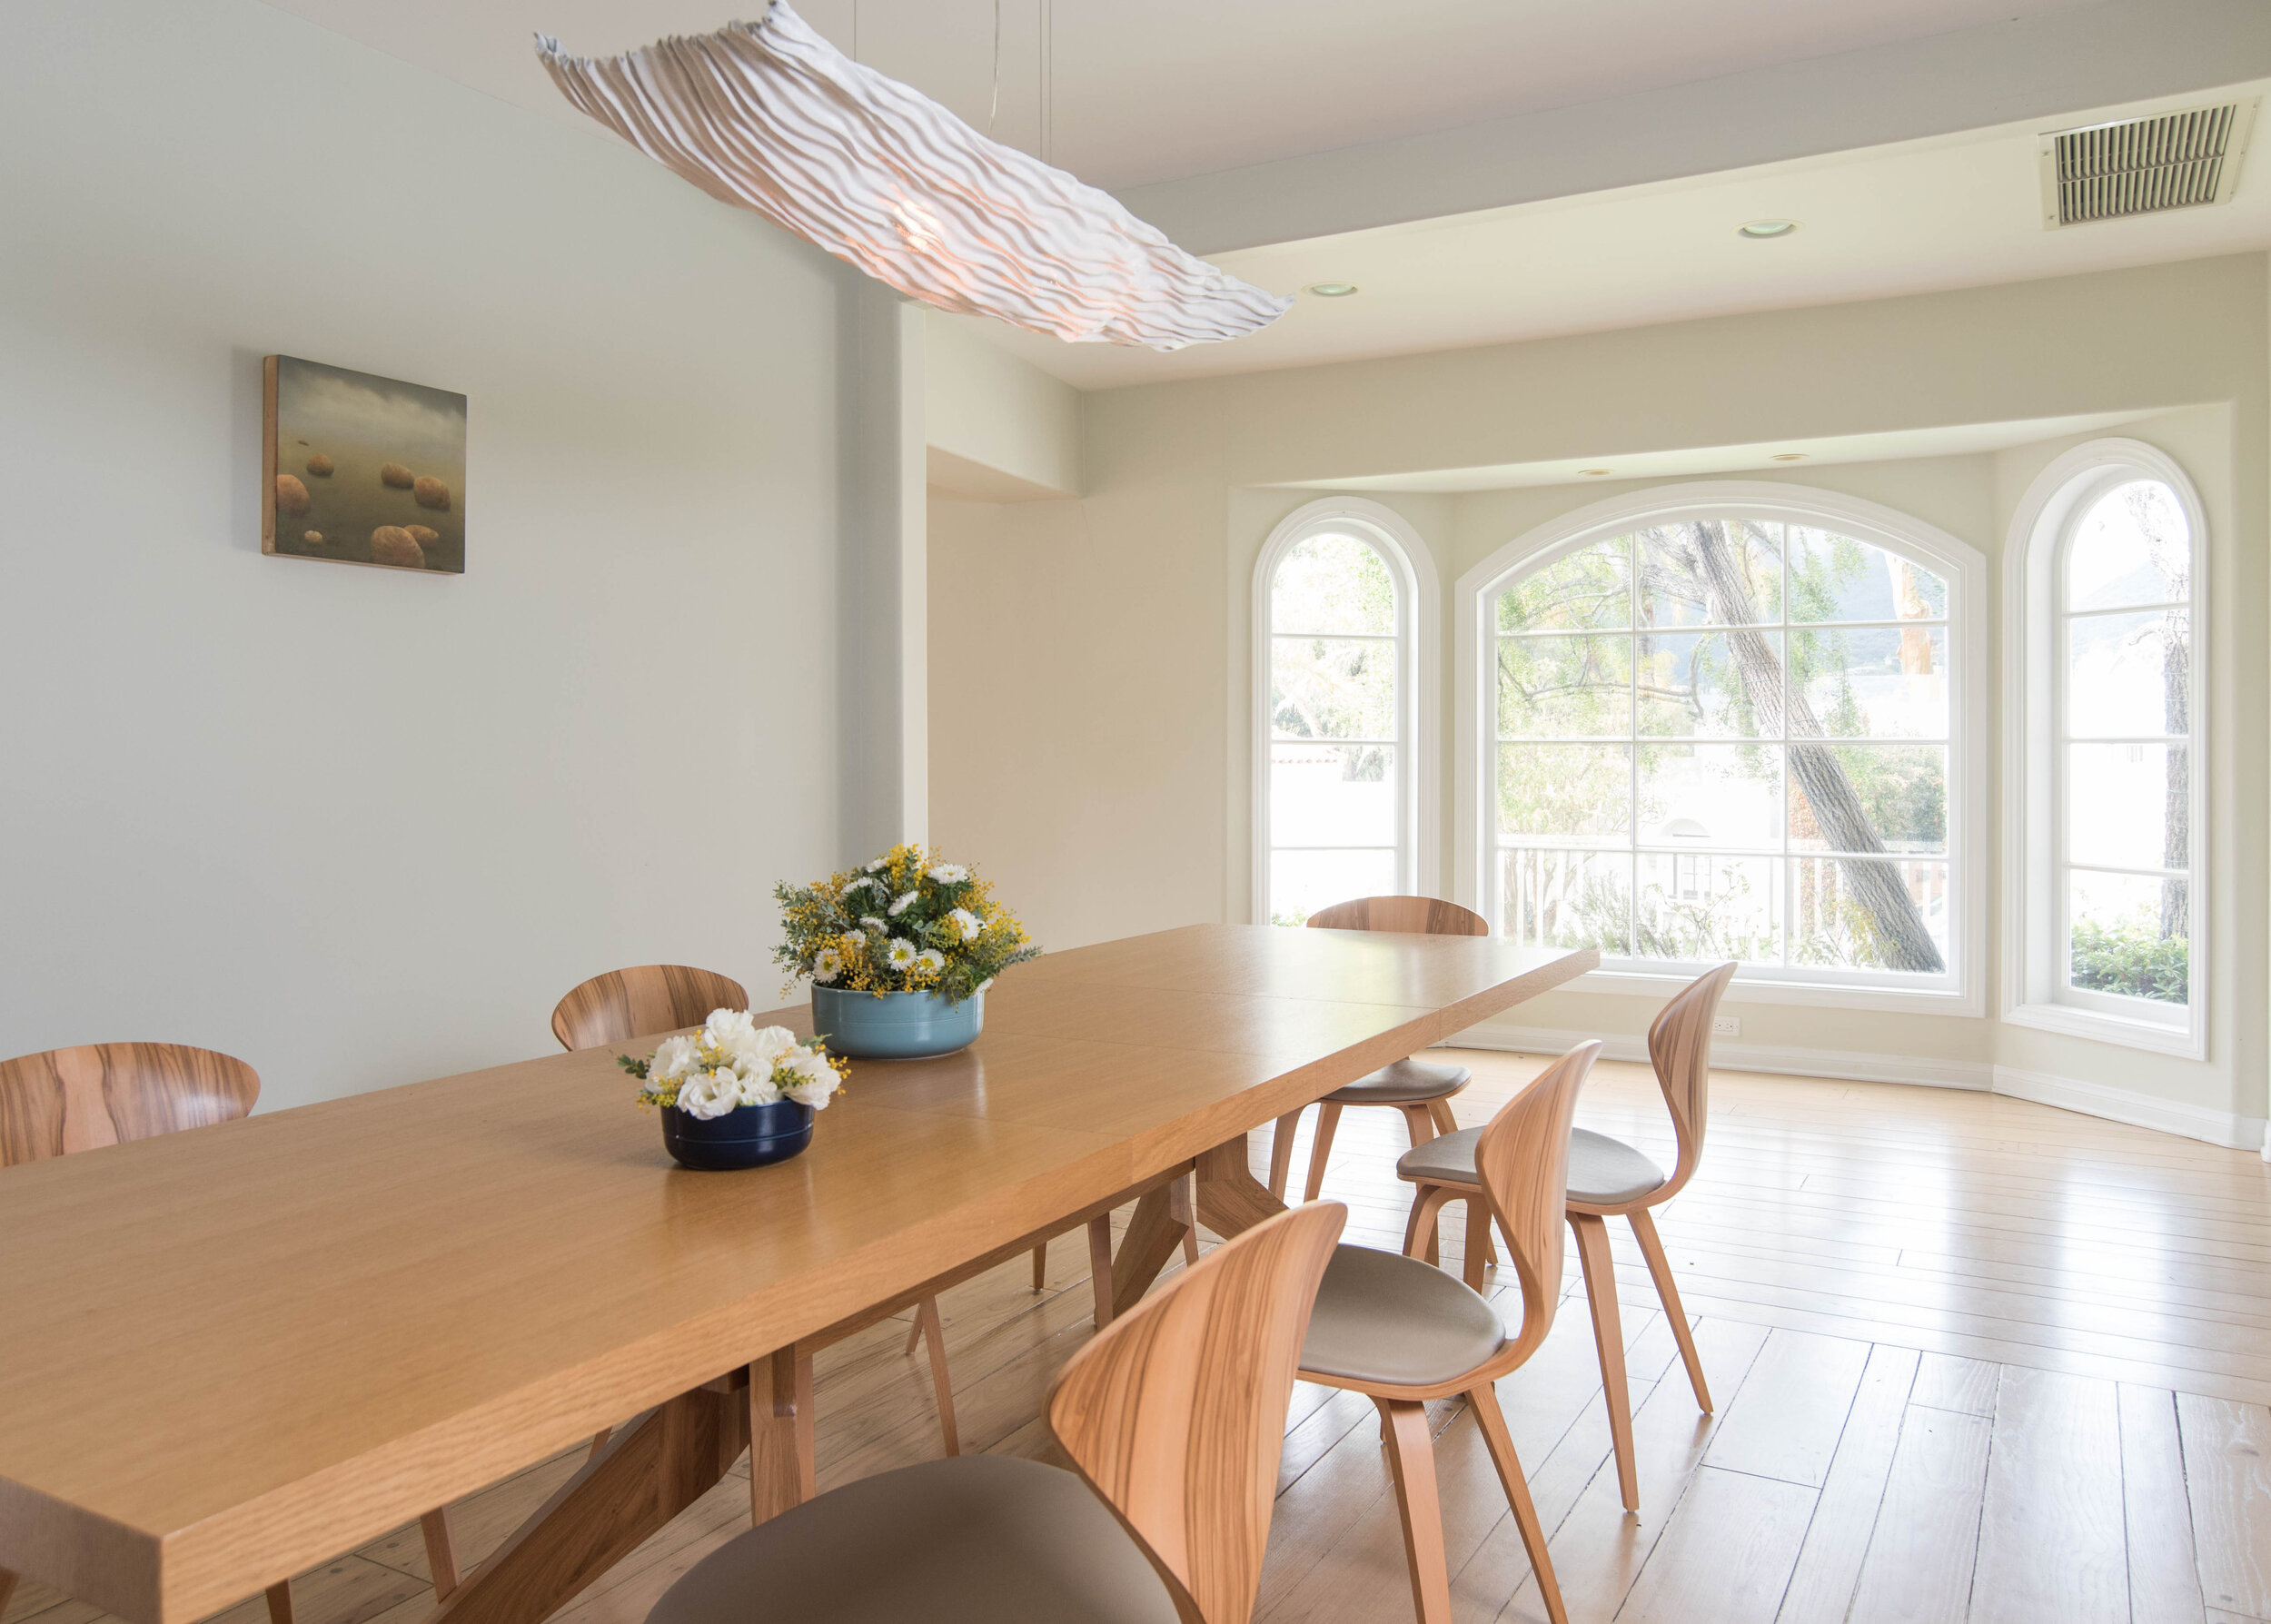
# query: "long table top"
{"type": "Point", "coordinates": [229, 1354]}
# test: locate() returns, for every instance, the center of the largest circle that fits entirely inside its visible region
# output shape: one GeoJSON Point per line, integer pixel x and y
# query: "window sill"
{"type": "Point", "coordinates": [1745, 989]}
{"type": "Point", "coordinates": [2184, 1042]}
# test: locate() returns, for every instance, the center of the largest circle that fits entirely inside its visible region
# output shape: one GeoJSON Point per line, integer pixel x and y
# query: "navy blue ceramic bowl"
{"type": "Point", "coordinates": [745, 1136]}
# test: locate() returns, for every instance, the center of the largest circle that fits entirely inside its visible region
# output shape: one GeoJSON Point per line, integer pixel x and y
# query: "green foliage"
{"type": "Point", "coordinates": [907, 922]}
{"type": "Point", "coordinates": [2132, 957]}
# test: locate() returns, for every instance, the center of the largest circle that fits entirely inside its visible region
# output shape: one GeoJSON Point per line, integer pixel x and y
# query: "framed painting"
{"type": "Point", "coordinates": [362, 469]}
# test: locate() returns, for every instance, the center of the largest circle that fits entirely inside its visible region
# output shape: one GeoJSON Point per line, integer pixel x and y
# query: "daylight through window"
{"type": "Point", "coordinates": [1727, 738]}
{"type": "Point", "coordinates": [1337, 744]}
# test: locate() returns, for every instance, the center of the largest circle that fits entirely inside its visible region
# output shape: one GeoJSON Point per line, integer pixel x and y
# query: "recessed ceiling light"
{"type": "Point", "coordinates": [1331, 289]}
{"type": "Point", "coordinates": [1788, 457]}
{"type": "Point", "coordinates": [1767, 228]}
{"type": "Point", "coordinates": [1592, 471]}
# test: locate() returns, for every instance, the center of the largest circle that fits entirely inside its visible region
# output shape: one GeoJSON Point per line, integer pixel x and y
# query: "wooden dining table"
{"type": "Point", "coordinates": [227, 1355]}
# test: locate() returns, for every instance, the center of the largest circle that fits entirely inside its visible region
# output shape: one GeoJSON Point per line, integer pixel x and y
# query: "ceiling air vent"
{"type": "Point", "coordinates": [2144, 165]}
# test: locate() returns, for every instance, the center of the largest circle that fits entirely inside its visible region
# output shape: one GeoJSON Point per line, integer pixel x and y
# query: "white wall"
{"type": "Point", "coordinates": [356, 827]}
{"type": "Point", "coordinates": [998, 429]}
{"type": "Point", "coordinates": [1113, 740]}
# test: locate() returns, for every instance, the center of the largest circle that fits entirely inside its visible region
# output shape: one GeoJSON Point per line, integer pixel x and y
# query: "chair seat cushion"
{"type": "Point", "coordinates": [969, 1540]}
{"type": "Point", "coordinates": [1380, 1317]}
{"type": "Point", "coordinates": [1401, 1081]}
{"type": "Point", "coordinates": [1602, 1171]}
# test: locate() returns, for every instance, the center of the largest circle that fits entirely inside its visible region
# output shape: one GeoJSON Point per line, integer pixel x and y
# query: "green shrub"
{"type": "Point", "coordinates": [2132, 957]}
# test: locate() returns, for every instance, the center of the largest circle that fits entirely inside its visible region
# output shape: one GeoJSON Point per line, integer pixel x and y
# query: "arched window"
{"type": "Point", "coordinates": [2108, 773]}
{"type": "Point", "coordinates": [1731, 721]}
{"type": "Point", "coordinates": [1340, 591]}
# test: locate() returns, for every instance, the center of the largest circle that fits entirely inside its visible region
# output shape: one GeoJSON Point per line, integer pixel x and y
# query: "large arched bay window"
{"type": "Point", "coordinates": [1342, 592]}
{"type": "Point", "coordinates": [1730, 720]}
{"type": "Point", "coordinates": [2107, 778]}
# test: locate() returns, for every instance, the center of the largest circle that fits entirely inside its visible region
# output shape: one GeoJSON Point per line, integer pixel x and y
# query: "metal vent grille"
{"type": "Point", "coordinates": [2178, 159]}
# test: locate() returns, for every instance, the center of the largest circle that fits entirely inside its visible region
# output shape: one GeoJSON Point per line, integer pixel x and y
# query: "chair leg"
{"type": "Point", "coordinates": [1411, 1462]}
{"type": "Point", "coordinates": [1608, 1335]}
{"type": "Point", "coordinates": [927, 1321]}
{"type": "Point", "coordinates": [1485, 1399]}
{"type": "Point", "coordinates": [1183, 1207]}
{"type": "Point", "coordinates": [1100, 1267]}
{"type": "Point", "coordinates": [1418, 1233]}
{"type": "Point", "coordinates": [1667, 1293]}
{"type": "Point", "coordinates": [1447, 1122]}
{"type": "Point", "coordinates": [1478, 1240]}
{"type": "Point", "coordinates": [439, 1556]}
{"type": "Point", "coordinates": [1282, 1151]}
{"type": "Point", "coordinates": [7, 1588]}
{"type": "Point", "coordinates": [1328, 1119]}
{"type": "Point", "coordinates": [1419, 1122]}
{"type": "Point", "coordinates": [1041, 1266]}
{"type": "Point", "coordinates": [280, 1603]}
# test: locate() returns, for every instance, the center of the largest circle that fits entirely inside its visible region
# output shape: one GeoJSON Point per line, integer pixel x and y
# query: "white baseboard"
{"type": "Point", "coordinates": [2091, 1099]}
{"type": "Point", "coordinates": [2142, 1110]}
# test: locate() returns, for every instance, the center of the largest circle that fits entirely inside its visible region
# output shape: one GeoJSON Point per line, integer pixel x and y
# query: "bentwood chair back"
{"type": "Point", "coordinates": [1174, 1416]}
{"type": "Point", "coordinates": [622, 1004]}
{"type": "Point", "coordinates": [96, 1095]}
{"type": "Point", "coordinates": [1419, 1089]}
{"type": "Point", "coordinates": [1175, 1413]}
{"type": "Point", "coordinates": [1680, 1047]}
{"type": "Point", "coordinates": [1522, 1159]}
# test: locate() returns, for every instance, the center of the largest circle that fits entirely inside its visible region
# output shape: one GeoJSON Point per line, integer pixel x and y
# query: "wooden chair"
{"type": "Point", "coordinates": [1401, 1331]}
{"type": "Point", "coordinates": [81, 1099]}
{"type": "Point", "coordinates": [1174, 1419]}
{"type": "Point", "coordinates": [1608, 1178]}
{"type": "Point", "coordinates": [648, 999]}
{"type": "Point", "coordinates": [1419, 1089]}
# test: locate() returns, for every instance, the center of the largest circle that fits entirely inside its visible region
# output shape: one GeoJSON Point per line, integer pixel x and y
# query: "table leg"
{"type": "Point", "coordinates": [650, 1471]}
{"type": "Point", "coordinates": [1154, 1236]}
{"type": "Point", "coordinates": [781, 1456]}
{"type": "Point", "coordinates": [1230, 1201]}
{"type": "Point", "coordinates": [1230, 1198]}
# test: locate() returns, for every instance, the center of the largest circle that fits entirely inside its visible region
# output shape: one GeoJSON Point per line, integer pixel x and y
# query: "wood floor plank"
{"type": "Point", "coordinates": [1786, 1420]}
{"type": "Point", "coordinates": [2227, 1476]}
{"type": "Point", "coordinates": [2052, 1538]}
{"type": "Point", "coordinates": [2164, 1574]}
{"type": "Point", "coordinates": [1845, 1515]}
{"type": "Point", "coordinates": [1921, 1554]}
{"type": "Point", "coordinates": [1727, 1554]}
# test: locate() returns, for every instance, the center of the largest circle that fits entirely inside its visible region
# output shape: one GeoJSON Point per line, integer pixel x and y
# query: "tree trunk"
{"type": "Point", "coordinates": [1903, 940]}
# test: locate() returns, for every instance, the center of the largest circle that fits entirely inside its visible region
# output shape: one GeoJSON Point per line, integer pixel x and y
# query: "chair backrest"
{"type": "Point", "coordinates": [626, 1003]}
{"type": "Point", "coordinates": [1176, 1412]}
{"type": "Point", "coordinates": [102, 1094]}
{"type": "Point", "coordinates": [1521, 1161]}
{"type": "Point", "coordinates": [1680, 1046]}
{"type": "Point", "coordinates": [1415, 915]}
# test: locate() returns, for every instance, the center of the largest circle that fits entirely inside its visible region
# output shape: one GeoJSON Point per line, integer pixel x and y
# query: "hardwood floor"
{"type": "Point", "coordinates": [1976, 1359]}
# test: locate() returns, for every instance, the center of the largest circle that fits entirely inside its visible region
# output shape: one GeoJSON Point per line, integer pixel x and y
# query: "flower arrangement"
{"type": "Point", "coordinates": [909, 922]}
{"type": "Point", "coordinates": [733, 1062]}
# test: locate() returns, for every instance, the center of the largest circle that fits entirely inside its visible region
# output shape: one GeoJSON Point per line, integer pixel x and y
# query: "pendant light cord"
{"type": "Point", "coordinates": [994, 112]}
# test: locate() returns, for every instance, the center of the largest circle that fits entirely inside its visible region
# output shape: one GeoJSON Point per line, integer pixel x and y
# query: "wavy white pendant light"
{"type": "Point", "coordinates": [769, 117]}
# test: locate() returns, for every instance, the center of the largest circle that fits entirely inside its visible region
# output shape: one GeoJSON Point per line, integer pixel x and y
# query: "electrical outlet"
{"type": "Point", "coordinates": [1726, 1025]}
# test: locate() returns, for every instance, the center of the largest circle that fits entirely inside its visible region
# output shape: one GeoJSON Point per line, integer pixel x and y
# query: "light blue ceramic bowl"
{"type": "Point", "coordinates": [896, 1027]}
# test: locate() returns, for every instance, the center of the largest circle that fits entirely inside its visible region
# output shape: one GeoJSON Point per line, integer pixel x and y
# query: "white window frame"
{"type": "Point", "coordinates": [2035, 990]}
{"type": "Point", "coordinates": [1961, 990]}
{"type": "Point", "coordinates": [1417, 686]}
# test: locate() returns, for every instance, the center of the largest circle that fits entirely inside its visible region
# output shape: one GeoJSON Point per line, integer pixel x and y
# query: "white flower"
{"type": "Point", "coordinates": [727, 1027]}
{"type": "Point", "coordinates": [704, 1095]}
{"type": "Point", "coordinates": [756, 1088]}
{"type": "Point", "coordinates": [864, 880]}
{"type": "Point", "coordinates": [755, 1053]}
{"type": "Point", "coordinates": [949, 874]}
{"type": "Point", "coordinates": [931, 959]}
{"type": "Point", "coordinates": [674, 1059]}
{"type": "Point", "coordinates": [826, 966]}
{"type": "Point", "coordinates": [900, 905]}
{"type": "Point", "coordinates": [815, 1078]}
{"type": "Point", "coordinates": [900, 952]}
{"type": "Point", "coordinates": [874, 924]}
{"type": "Point", "coordinates": [875, 867]}
{"type": "Point", "coordinates": [969, 924]}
